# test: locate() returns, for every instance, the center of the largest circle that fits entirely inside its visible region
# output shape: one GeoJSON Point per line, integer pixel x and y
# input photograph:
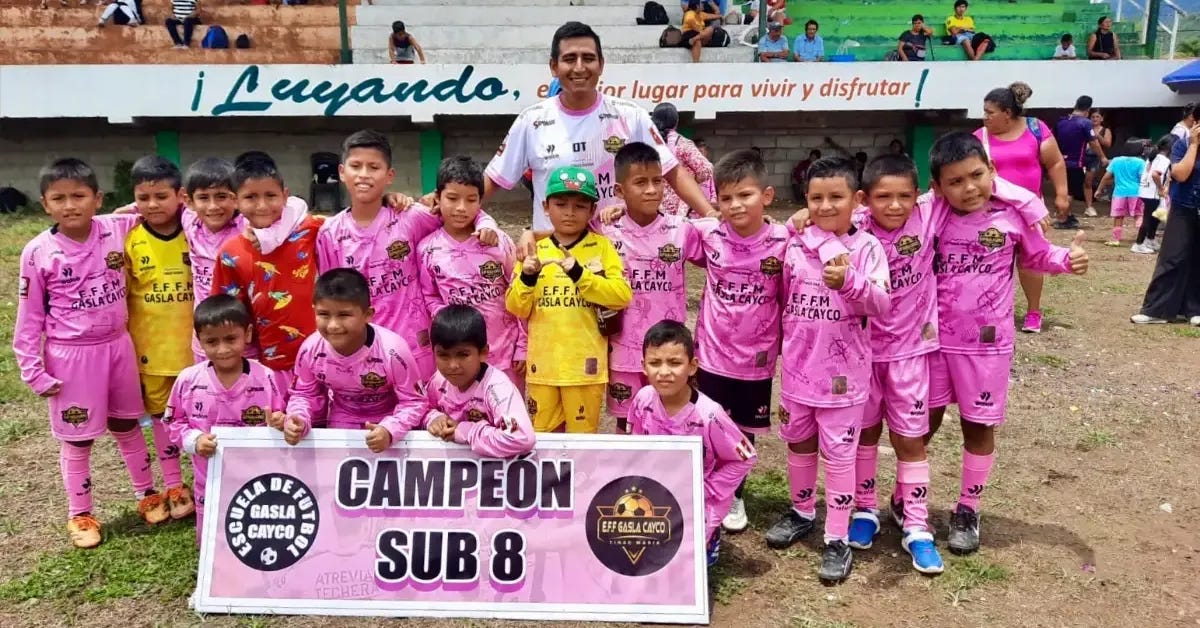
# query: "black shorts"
{"type": "Point", "coordinates": [1075, 177]}
{"type": "Point", "coordinates": [748, 402]}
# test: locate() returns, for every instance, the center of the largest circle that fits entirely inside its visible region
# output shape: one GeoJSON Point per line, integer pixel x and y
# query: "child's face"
{"type": "Point", "coordinates": [459, 205]}
{"type": "Point", "coordinates": [366, 174]}
{"type": "Point", "coordinates": [831, 203]}
{"type": "Point", "coordinates": [668, 368]}
{"type": "Point", "coordinates": [460, 363]}
{"type": "Point", "coordinates": [966, 185]}
{"type": "Point", "coordinates": [891, 201]}
{"type": "Point", "coordinates": [214, 206]}
{"type": "Point", "coordinates": [158, 203]}
{"type": "Point", "coordinates": [569, 213]}
{"type": "Point", "coordinates": [742, 203]}
{"type": "Point", "coordinates": [642, 189]}
{"type": "Point", "coordinates": [71, 204]}
{"type": "Point", "coordinates": [224, 344]}
{"type": "Point", "coordinates": [261, 201]}
{"type": "Point", "coordinates": [342, 324]}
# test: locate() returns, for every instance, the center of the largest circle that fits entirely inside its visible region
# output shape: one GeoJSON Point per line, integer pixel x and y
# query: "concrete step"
{"type": "Point", "coordinates": [84, 40]}
{"type": "Point", "coordinates": [511, 56]}
{"type": "Point", "coordinates": [227, 16]}
{"type": "Point", "coordinates": [166, 55]}
{"type": "Point", "coordinates": [539, 37]}
{"type": "Point", "coordinates": [525, 14]}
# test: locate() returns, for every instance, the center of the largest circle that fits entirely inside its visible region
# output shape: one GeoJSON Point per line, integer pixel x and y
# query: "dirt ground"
{"type": "Point", "coordinates": [1084, 521]}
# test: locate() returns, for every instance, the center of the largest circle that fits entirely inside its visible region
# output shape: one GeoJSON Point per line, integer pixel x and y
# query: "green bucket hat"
{"type": "Point", "coordinates": [572, 180]}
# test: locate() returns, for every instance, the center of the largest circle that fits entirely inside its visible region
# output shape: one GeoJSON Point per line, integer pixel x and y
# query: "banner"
{"type": "Point", "coordinates": [600, 527]}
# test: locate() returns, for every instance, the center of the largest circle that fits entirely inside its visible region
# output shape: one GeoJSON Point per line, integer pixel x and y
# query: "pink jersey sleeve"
{"type": "Point", "coordinates": [510, 433]}
{"type": "Point", "coordinates": [639, 409]}
{"type": "Point", "coordinates": [1035, 252]}
{"type": "Point", "coordinates": [328, 256]}
{"type": "Point", "coordinates": [511, 160]}
{"type": "Point", "coordinates": [410, 410]}
{"type": "Point", "coordinates": [433, 399]}
{"type": "Point", "coordinates": [425, 276]}
{"type": "Point", "coordinates": [31, 321]}
{"type": "Point", "coordinates": [307, 397]}
{"type": "Point", "coordinates": [865, 289]}
{"type": "Point", "coordinates": [176, 417]}
{"type": "Point", "coordinates": [733, 457]}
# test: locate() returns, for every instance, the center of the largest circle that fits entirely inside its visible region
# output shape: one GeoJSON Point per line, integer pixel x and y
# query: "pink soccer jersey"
{"type": "Point", "coordinates": [826, 342]}
{"type": "Point", "coordinates": [378, 384]}
{"type": "Point", "coordinates": [200, 402]}
{"type": "Point", "coordinates": [491, 414]}
{"type": "Point", "coordinates": [471, 273]}
{"type": "Point", "coordinates": [974, 269]}
{"type": "Point", "coordinates": [653, 257]}
{"type": "Point", "coordinates": [737, 332]}
{"type": "Point", "coordinates": [728, 455]}
{"type": "Point", "coordinates": [70, 292]}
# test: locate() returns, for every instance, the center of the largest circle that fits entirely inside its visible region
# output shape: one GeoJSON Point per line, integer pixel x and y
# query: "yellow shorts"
{"type": "Point", "coordinates": [156, 391]}
{"type": "Point", "coordinates": [549, 407]}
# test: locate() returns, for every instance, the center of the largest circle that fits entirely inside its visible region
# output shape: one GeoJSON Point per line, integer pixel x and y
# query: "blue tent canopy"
{"type": "Point", "coordinates": [1185, 80]}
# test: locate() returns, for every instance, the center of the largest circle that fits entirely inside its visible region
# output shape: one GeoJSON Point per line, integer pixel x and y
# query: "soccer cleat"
{"type": "Point", "coordinates": [925, 558]}
{"type": "Point", "coordinates": [790, 528]}
{"type": "Point", "coordinates": [864, 525]}
{"type": "Point", "coordinates": [964, 530]}
{"type": "Point", "coordinates": [836, 562]}
{"type": "Point", "coordinates": [153, 509]}
{"type": "Point", "coordinates": [84, 531]}
{"type": "Point", "coordinates": [897, 508]}
{"type": "Point", "coordinates": [714, 548]}
{"type": "Point", "coordinates": [1142, 319]}
{"type": "Point", "coordinates": [1141, 249]}
{"type": "Point", "coordinates": [1090, 212]}
{"type": "Point", "coordinates": [1033, 322]}
{"type": "Point", "coordinates": [736, 520]}
{"type": "Point", "coordinates": [180, 502]}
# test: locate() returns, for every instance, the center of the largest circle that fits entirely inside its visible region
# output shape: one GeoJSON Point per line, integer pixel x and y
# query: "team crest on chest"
{"type": "Point", "coordinates": [114, 260]}
{"type": "Point", "coordinates": [669, 253]}
{"type": "Point", "coordinates": [254, 415]}
{"type": "Point", "coordinates": [491, 270]}
{"type": "Point", "coordinates": [613, 144]}
{"type": "Point", "coordinates": [620, 392]}
{"type": "Point", "coordinates": [476, 415]}
{"type": "Point", "coordinates": [992, 238]}
{"type": "Point", "coordinates": [770, 266]}
{"type": "Point", "coordinates": [75, 416]}
{"type": "Point", "coordinates": [399, 250]}
{"type": "Point", "coordinates": [372, 380]}
{"type": "Point", "coordinates": [908, 245]}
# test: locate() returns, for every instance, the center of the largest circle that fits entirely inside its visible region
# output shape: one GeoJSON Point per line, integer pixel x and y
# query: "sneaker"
{"type": "Point", "coordinates": [1033, 322]}
{"type": "Point", "coordinates": [864, 525]}
{"type": "Point", "coordinates": [714, 548]}
{"type": "Point", "coordinates": [790, 528]}
{"type": "Point", "coordinates": [180, 502]}
{"type": "Point", "coordinates": [836, 562]}
{"type": "Point", "coordinates": [1142, 319]}
{"type": "Point", "coordinates": [1113, 243]}
{"type": "Point", "coordinates": [1070, 223]}
{"type": "Point", "coordinates": [897, 508]}
{"type": "Point", "coordinates": [736, 520]}
{"type": "Point", "coordinates": [1194, 321]}
{"type": "Point", "coordinates": [1141, 249]}
{"type": "Point", "coordinates": [153, 508]}
{"type": "Point", "coordinates": [919, 544]}
{"type": "Point", "coordinates": [1090, 212]}
{"type": "Point", "coordinates": [84, 531]}
{"type": "Point", "coordinates": [964, 530]}
{"type": "Point", "coordinates": [1153, 244]}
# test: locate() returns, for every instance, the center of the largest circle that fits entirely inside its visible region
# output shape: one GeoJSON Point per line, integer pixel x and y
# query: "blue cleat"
{"type": "Point", "coordinates": [925, 558]}
{"type": "Point", "coordinates": [714, 548]}
{"type": "Point", "coordinates": [864, 526]}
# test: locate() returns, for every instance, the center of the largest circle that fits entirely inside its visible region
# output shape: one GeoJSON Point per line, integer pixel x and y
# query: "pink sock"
{"type": "Point", "coordinates": [1116, 234]}
{"type": "Point", "coordinates": [802, 478]}
{"type": "Point", "coordinates": [975, 471]}
{"type": "Point", "coordinates": [137, 460]}
{"type": "Point", "coordinates": [839, 496]}
{"type": "Point", "coordinates": [865, 463]}
{"type": "Point", "coordinates": [914, 478]}
{"type": "Point", "coordinates": [74, 461]}
{"type": "Point", "coordinates": [168, 455]}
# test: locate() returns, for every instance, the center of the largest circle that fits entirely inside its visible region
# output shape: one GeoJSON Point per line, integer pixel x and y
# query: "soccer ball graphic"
{"type": "Point", "coordinates": [634, 505]}
{"type": "Point", "coordinates": [268, 556]}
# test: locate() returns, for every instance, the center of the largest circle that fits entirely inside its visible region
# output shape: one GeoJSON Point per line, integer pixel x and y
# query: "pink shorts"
{"type": "Point", "coordinates": [900, 394]}
{"type": "Point", "coordinates": [98, 382]}
{"type": "Point", "coordinates": [977, 383]}
{"type": "Point", "coordinates": [836, 428]}
{"type": "Point", "coordinates": [622, 387]}
{"type": "Point", "coordinates": [1126, 206]}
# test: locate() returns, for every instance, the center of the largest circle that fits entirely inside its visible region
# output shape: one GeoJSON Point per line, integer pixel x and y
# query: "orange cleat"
{"type": "Point", "coordinates": [180, 502]}
{"type": "Point", "coordinates": [84, 531]}
{"type": "Point", "coordinates": [153, 509]}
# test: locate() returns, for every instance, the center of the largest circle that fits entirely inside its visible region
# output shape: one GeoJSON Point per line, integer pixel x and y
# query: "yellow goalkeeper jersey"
{"type": "Point", "coordinates": [160, 300]}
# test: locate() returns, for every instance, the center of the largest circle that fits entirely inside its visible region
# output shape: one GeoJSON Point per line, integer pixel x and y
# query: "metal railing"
{"type": "Point", "coordinates": [1144, 10]}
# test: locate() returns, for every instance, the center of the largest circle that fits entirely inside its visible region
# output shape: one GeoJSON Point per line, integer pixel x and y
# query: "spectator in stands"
{"type": "Point", "coordinates": [1103, 44]}
{"type": "Point", "coordinates": [124, 12]}
{"type": "Point", "coordinates": [914, 42]}
{"type": "Point", "coordinates": [1065, 49]}
{"type": "Point", "coordinates": [810, 47]}
{"type": "Point", "coordinates": [776, 11]}
{"type": "Point", "coordinates": [666, 119]}
{"type": "Point", "coordinates": [961, 28]}
{"type": "Point", "coordinates": [696, 33]}
{"type": "Point", "coordinates": [774, 47]}
{"type": "Point", "coordinates": [896, 147]}
{"type": "Point", "coordinates": [185, 13]}
{"type": "Point", "coordinates": [403, 47]}
{"type": "Point", "coordinates": [800, 176]}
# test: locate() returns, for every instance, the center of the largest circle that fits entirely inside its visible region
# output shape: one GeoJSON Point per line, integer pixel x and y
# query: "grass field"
{"type": "Point", "coordinates": [1086, 521]}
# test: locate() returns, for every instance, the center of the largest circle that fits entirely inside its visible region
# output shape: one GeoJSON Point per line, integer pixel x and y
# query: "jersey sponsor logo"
{"type": "Point", "coordinates": [579, 147]}
{"type": "Point", "coordinates": [770, 266]}
{"type": "Point", "coordinates": [491, 270]}
{"type": "Point", "coordinates": [114, 260]}
{"type": "Point", "coordinates": [537, 124]}
{"type": "Point", "coordinates": [908, 245]}
{"type": "Point", "coordinates": [476, 415]}
{"type": "Point", "coordinates": [372, 380]}
{"type": "Point", "coordinates": [992, 238]}
{"type": "Point", "coordinates": [399, 250]}
{"type": "Point", "coordinates": [23, 287]}
{"type": "Point", "coordinates": [669, 253]}
{"type": "Point", "coordinates": [75, 416]}
{"type": "Point", "coordinates": [613, 144]}
{"type": "Point", "coordinates": [254, 415]}
{"type": "Point", "coordinates": [550, 152]}
{"type": "Point", "coordinates": [608, 116]}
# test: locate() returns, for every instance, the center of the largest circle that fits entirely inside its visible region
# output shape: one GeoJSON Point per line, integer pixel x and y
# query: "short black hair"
{"type": "Point", "coordinates": [952, 148]}
{"type": "Point", "coordinates": [958, 3]}
{"type": "Point", "coordinates": [699, 141]}
{"type": "Point", "coordinates": [634, 154]}
{"type": "Point", "coordinates": [811, 22]}
{"type": "Point", "coordinates": [1134, 147]}
{"type": "Point", "coordinates": [254, 155]}
{"type": "Point", "coordinates": [741, 164]}
{"type": "Point", "coordinates": [220, 309]}
{"type": "Point", "coordinates": [1101, 20]}
{"type": "Point", "coordinates": [367, 138]}
{"type": "Point", "coordinates": [460, 169]}
{"type": "Point", "coordinates": [667, 332]}
{"type": "Point", "coordinates": [252, 169]}
{"type": "Point", "coordinates": [665, 117]}
{"type": "Point", "coordinates": [832, 168]}
{"type": "Point", "coordinates": [67, 169]}
{"type": "Point", "coordinates": [814, 154]}
{"type": "Point", "coordinates": [1083, 103]}
{"type": "Point", "coordinates": [573, 30]}
{"type": "Point", "coordinates": [457, 324]}
{"type": "Point", "coordinates": [917, 17]}
{"type": "Point", "coordinates": [1189, 110]}
{"type": "Point", "coordinates": [344, 285]}
{"type": "Point", "coordinates": [210, 172]}
{"type": "Point", "coordinates": [1067, 38]}
{"type": "Point", "coordinates": [889, 165]}
{"type": "Point", "coordinates": [152, 168]}
{"type": "Point", "coordinates": [398, 26]}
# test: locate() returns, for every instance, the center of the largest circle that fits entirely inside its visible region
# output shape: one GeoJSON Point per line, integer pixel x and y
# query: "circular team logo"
{"type": "Point", "coordinates": [634, 526]}
{"type": "Point", "coordinates": [271, 522]}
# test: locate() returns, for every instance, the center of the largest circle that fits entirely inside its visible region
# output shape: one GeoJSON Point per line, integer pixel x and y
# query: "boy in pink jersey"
{"type": "Point", "coordinates": [983, 235]}
{"type": "Point", "coordinates": [471, 402]}
{"type": "Point", "coordinates": [72, 293]}
{"type": "Point", "coordinates": [737, 330]}
{"type": "Point", "coordinates": [379, 242]}
{"type": "Point", "coordinates": [830, 292]}
{"type": "Point", "coordinates": [227, 390]}
{"type": "Point", "coordinates": [364, 373]}
{"type": "Point", "coordinates": [653, 247]}
{"type": "Point", "coordinates": [669, 405]}
{"type": "Point", "coordinates": [457, 268]}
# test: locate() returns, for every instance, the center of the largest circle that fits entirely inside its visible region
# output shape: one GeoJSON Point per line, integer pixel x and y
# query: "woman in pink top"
{"type": "Point", "coordinates": [666, 119]}
{"type": "Point", "coordinates": [1021, 147]}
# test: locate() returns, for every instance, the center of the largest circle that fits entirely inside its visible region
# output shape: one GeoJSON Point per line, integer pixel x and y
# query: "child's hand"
{"type": "Point", "coordinates": [396, 200]}
{"type": "Point", "coordinates": [609, 215]}
{"type": "Point", "coordinates": [276, 420]}
{"type": "Point", "coordinates": [801, 220]}
{"type": "Point", "coordinates": [443, 427]}
{"type": "Point", "coordinates": [53, 390]}
{"type": "Point", "coordinates": [1062, 202]}
{"type": "Point", "coordinates": [293, 430]}
{"type": "Point", "coordinates": [253, 239]}
{"type": "Point", "coordinates": [834, 273]}
{"type": "Point", "coordinates": [531, 266]}
{"type": "Point", "coordinates": [526, 245]}
{"type": "Point", "coordinates": [1078, 257]}
{"type": "Point", "coordinates": [487, 237]}
{"type": "Point", "coordinates": [518, 366]}
{"type": "Point", "coordinates": [566, 263]}
{"type": "Point", "coordinates": [378, 438]}
{"type": "Point", "coordinates": [126, 209]}
{"type": "Point", "coordinates": [206, 445]}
